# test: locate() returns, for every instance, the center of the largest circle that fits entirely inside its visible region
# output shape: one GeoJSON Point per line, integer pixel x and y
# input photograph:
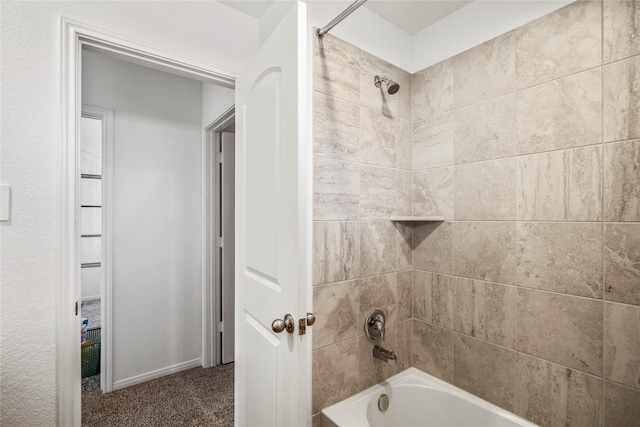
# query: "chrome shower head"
{"type": "Point", "coordinates": [392, 87]}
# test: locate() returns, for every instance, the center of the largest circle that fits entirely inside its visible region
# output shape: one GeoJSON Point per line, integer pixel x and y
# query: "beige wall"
{"type": "Point", "coordinates": [528, 295]}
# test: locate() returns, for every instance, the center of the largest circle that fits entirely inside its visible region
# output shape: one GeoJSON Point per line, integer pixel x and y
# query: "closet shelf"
{"type": "Point", "coordinates": [90, 265]}
{"type": "Point", "coordinates": [414, 220]}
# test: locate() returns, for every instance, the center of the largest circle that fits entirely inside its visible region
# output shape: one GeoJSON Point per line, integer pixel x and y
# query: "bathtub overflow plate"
{"type": "Point", "coordinates": [383, 402]}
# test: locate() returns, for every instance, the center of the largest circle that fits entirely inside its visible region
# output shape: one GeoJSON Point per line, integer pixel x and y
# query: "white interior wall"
{"type": "Point", "coordinates": [156, 212]}
{"type": "Point", "coordinates": [30, 130]}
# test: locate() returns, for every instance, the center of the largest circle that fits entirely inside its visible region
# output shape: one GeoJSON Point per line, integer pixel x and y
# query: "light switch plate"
{"type": "Point", "coordinates": [5, 201]}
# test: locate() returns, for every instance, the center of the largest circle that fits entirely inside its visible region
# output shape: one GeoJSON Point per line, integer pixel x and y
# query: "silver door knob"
{"type": "Point", "coordinates": [311, 319]}
{"type": "Point", "coordinates": [280, 325]}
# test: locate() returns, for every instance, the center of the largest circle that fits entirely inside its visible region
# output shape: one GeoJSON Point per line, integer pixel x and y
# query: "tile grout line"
{"type": "Point", "coordinates": [358, 162]}
{"type": "Point", "coordinates": [520, 286]}
{"type": "Point", "coordinates": [602, 186]}
{"type": "Point", "coordinates": [516, 316]}
{"type": "Point", "coordinates": [517, 156]}
{"type": "Point", "coordinates": [517, 221]}
{"type": "Point", "coordinates": [626, 58]}
{"type": "Point", "coordinates": [359, 103]}
{"type": "Point", "coordinates": [453, 230]}
{"type": "Point", "coordinates": [413, 213]}
{"type": "Point", "coordinates": [533, 356]}
{"type": "Point", "coordinates": [514, 91]}
{"type": "Point", "coordinates": [516, 352]}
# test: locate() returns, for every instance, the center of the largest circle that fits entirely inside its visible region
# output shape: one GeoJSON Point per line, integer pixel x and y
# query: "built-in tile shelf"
{"type": "Point", "coordinates": [414, 220]}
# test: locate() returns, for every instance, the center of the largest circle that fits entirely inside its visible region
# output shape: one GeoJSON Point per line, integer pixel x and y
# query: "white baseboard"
{"type": "Point", "coordinates": [157, 373]}
{"type": "Point", "coordinates": [90, 298]}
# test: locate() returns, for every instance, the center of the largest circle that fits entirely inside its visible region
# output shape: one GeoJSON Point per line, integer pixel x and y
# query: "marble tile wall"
{"type": "Point", "coordinates": [528, 294]}
{"type": "Point", "coordinates": [361, 260]}
{"type": "Point", "coordinates": [529, 145]}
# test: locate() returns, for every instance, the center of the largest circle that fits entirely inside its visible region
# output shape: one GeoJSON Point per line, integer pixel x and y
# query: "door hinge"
{"type": "Point", "coordinates": [76, 308]}
{"type": "Point", "coordinates": [220, 242]}
{"type": "Point", "coordinates": [220, 327]}
{"type": "Point", "coordinates": [219, 157]}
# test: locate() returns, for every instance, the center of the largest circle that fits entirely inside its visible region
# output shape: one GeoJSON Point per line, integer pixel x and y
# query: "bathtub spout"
{"type": "Point", "coordinates": [384, 355]}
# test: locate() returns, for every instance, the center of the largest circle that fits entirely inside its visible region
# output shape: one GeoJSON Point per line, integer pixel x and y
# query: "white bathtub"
{"type": "Point", "coordinates": [418, 399]}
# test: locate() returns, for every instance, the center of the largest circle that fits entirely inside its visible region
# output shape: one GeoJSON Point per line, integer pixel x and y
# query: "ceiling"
{"type": "Point", "coordinates": [414, 16]}
{"type": "Point", "coordinates": [253, 8]}
{"type": "Point", "coordinates": [410, 16]}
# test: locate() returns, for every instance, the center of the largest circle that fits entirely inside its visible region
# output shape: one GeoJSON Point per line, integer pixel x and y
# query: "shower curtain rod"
{"type": "Point", "coordinates": [320, 32]}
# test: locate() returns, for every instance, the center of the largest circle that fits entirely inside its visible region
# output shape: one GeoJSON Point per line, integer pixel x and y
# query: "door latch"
{"type": "Point", "coordinates": [306, 321]}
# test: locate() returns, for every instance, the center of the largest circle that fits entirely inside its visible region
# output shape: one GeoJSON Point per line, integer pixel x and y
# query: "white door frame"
{"type": "Point", "coordinates": [106, 310]}
{"type": "Point", "coordinates": [225, 279]}
{"type": "Point", "coordinates": [75, 36]}
{"type": "Point", "coordinates": [211, 340]}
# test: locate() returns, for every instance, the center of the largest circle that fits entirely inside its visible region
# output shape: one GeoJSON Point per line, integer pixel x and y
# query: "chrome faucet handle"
{"type": "Point", "coordinates": [377, 324]}
{"type": "Point", "coordinates": [374, 324]}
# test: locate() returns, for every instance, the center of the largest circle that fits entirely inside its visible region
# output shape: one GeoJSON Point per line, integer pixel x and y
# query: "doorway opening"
{"type": "Point", "coordinates": [153, 232]}
{"type": "Point", "coordinates": [273, 210]}
{"type": "Point", "coordinates": [80, 41]}
{"type": "Point", "coordinates": [219, 271]}
{"type": "Point", "coordinates": [95, 244]}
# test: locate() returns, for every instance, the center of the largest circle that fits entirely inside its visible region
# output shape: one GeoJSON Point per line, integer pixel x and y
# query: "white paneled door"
{"type": "Point", "coordinates": [272, 225]}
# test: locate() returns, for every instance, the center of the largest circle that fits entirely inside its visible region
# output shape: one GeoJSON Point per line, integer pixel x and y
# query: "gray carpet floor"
{"type": "Point", "coordinates": [196, 397]}
{"type": "Point", "coordinates": [91, 383]}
